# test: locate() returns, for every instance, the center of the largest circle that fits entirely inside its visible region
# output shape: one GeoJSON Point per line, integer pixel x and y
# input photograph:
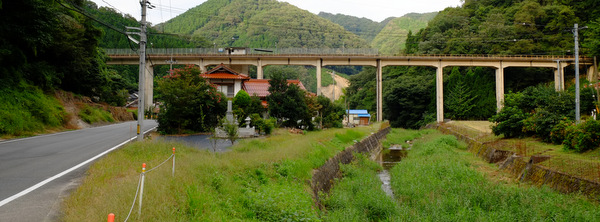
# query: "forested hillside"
{"type": "Point", "coordinates": [479, 27]}
{"type": "Point", "coordinates": [363, 27]}
{"type": "Point", "coordinates": [261, 23]}
{"type": "Point", "coordinates": [392, 38]}
{"type": "Point", "coordinates": [46, 46]}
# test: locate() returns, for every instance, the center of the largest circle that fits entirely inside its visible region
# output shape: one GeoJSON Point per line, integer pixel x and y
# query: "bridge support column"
{"type": "Point", "coordinates": [148, 86]}
{"type": "Point", "coordinates": [499, 87]}
{"type": "Point", "coordinates": [559, 77]}
{"type": "Point", "coordinates": [202, 66]}
{"type": "Point", "coordinates": [318, 65]}
{"type": "Point", "coordinates": [259, 70]}
{"type": "Point", "coordinates": [379, 85]}
{"type": "Point", "coordinates": [591, 74]}
{"type": "Point", "coordinates": [439, 92]}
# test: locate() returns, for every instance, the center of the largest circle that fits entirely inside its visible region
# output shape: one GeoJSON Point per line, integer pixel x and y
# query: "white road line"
{"type": "Point", "coordinates": [34, 187]}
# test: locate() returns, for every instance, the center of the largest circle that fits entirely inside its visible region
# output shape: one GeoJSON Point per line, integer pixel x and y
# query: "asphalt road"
{"type": "Point", "coordinates": [33, 176]}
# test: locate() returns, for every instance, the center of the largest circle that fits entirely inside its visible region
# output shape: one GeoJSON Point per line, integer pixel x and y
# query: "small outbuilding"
{"type": "Point", "coordinates": [356, 117]}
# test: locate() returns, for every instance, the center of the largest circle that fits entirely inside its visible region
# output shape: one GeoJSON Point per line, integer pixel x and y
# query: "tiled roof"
{"type": "Point", "coordinates": [260, 87]}
{"type": "Point", "coordinates": [223, 72]}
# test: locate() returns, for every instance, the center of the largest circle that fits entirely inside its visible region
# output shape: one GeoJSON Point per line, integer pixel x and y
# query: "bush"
{"type": "Point", "coordinates": [509, 122]}
{"type": "Point", "coordinates": [541, 124]}
{"type": "Point", "coordinates": [559, 131]}
{"type": "Point", "coordinates": [583, 137]}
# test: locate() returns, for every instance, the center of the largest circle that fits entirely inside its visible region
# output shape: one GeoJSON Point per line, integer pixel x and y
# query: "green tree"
{"type": "Point", "coordinates": [190, 104]}
{"type": "Point", "coordinates": [287, 102]}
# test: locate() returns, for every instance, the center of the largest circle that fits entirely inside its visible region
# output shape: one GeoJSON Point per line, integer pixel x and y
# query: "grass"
{"type": "Point", "coordinates": [438, 181]}
{"type": "Point", "coordinates": [91, 114]}
{"type": "Point", "coordinates": [259, 180]}
{"type": "Point", "coordinates": [585, 165]}
{"type": "Point", "coordinates": [358, 195]}
{"type": "Point", "coordinates": [26, 110]}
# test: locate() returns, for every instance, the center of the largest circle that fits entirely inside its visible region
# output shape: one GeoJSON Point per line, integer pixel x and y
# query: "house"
{"type": "Point", "coordinates": [231, 82]}
{"type": "Point", "coordinates": [356, 117]}
{"type": "Point", "coordinates": [227, 80]}
{"type": "Point", "coordinates": [260, 88]}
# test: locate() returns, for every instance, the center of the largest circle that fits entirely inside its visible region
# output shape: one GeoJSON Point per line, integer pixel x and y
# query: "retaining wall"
{"type": "Point", "coordinates": [323, 178]}
{"type": "Point", "coordinates": [528, 170]}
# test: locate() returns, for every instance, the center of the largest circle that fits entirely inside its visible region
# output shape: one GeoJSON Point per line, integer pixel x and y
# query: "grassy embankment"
{"type": "Point", "coordinates": [584, 165]}
{"type": "Point", "coordinates": [260, 180]}
{"type": "Point", "coordinates": [440, 181]}
{"type": "Point", "coordinates": [26, 110]}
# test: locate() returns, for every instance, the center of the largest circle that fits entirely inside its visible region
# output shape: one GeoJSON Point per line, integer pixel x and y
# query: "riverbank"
{"type": "Point", "coordinates": [259, 179]}
{"type": "Point", "coordinates": [439, 180]}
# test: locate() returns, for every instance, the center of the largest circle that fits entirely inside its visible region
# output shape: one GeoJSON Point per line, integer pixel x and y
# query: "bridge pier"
{"type": "Point", "coordinates": [148, 86]}
{"type": "Point", "coordinates": [499, 87]}
{"type": "Point", "coordinates": [259, 70]}
{"type": "Point", "coordinates": [439, 92]}
{"type": "Point", "coordinates": [318, 65]}
{"type": "Point", "coordinates": [379, 96]}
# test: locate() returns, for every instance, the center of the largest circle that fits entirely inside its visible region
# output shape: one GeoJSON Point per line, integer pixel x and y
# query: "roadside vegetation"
{"type": "Point", "coordinates": [259, 180]}
{"type": "Point", "coordinates": [27, 110]}
{"type": "Point", "coordinates": [440, 181]}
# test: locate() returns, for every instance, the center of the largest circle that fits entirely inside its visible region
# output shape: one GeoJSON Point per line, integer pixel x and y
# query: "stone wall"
{"type": "Point", "coordinates": [323, 178]}
{"type": "Point", "coordinates": [528, 170]}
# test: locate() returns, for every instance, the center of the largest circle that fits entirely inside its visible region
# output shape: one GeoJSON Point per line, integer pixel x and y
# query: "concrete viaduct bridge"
{"type": "Point", "coordinates": [241, 59]}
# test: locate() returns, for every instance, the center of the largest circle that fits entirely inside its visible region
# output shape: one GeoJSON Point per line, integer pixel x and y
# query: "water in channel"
{"type": "Point", "coordinates": [389, 158]}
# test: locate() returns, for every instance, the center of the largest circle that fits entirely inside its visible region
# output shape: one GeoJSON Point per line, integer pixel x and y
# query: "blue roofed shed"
{"type": "Point", "coordinates": [357, 117]}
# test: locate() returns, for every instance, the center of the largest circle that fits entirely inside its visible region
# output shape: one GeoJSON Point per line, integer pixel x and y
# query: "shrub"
{"type": "Point", "coordinates": [583, 137]}
{"type": "Point", "coordinates": [541, 123]}
{"type": "Point", "coordinates": [509, 122]}
{"type": "Point", "coordinates": [559, 131]}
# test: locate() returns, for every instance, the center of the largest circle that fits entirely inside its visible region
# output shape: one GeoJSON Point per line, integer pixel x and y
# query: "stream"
{"type": "Point", "coordinates": [388, 158]}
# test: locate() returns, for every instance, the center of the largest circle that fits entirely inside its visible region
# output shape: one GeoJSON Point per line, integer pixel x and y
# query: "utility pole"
{"type": "Point", "coordinates": [142, 80]}
{"type": "Point", "coordinates": [576, 35]}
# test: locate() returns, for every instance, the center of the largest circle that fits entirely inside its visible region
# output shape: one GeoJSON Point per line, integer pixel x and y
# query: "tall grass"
{"type": "Point", "coordinates": [91, 114]}
{"type": "Point", "coordinates": [358, 195]}
{"type": "Point", "coordinates": [259, 180]}
{"type": "Point", "coordinates": [26, 109]}
{"type": "Point", "coordinates": [437, 183]}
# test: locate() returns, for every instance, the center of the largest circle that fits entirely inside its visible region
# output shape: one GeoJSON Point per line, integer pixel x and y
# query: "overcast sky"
{"type": "Point", "coordinates": [376, 10]}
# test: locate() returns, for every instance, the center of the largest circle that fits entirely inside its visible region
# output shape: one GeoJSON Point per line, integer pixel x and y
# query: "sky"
{"type": "Point", "coordinates": [376, 10]}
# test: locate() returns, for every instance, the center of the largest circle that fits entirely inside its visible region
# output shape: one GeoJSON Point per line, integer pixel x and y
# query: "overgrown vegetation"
{"type": "Point", "coordinates": [26, 109]}
{"type": "Point", "coordinates": [543, 112]}
{"type": "Point", "coordinates": [438, 182]}
{"type": "Point", "coordinates": [358, 196]}
{"type": "Point", "coordinates": [91, 114]}
{"type": "Point", "coordinates": [259, 180]}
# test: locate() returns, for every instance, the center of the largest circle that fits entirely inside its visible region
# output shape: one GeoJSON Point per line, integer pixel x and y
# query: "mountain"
{"type": "Point", "coordinates": [363, 27]}
{"type": "Point", "coordinates": [260, 23]}
{"type": "Point", "coordinates": [392, 38]}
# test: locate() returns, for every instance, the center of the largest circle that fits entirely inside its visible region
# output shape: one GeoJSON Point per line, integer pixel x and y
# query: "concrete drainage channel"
{"type": "Point", "coordinates": [323, 178]}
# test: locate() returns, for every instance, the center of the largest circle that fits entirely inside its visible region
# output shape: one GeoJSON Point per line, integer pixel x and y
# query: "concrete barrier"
{"type": "Point", "coordinates": [323, 178]}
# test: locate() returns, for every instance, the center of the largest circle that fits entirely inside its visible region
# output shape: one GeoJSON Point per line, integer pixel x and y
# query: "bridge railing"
{"type": "Point", "coordinates": [321, 51]}
{"type": "Point", "coordinates": [247, 51]}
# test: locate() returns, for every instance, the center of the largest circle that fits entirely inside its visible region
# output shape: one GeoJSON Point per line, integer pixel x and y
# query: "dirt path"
{"type": "Point", "coordinates": [336, 89]}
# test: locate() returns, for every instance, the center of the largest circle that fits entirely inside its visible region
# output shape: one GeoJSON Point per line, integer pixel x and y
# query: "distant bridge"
{"type": "Point", "coordinates": [240, 58]}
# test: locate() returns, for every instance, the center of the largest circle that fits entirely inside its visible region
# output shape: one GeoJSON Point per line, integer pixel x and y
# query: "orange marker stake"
{"type": "Point", "coordinates": [173, 171]}
{"type": "Point", "coordinates": [142, 189]}
{"type": "Point", "coordinates": [111, 217]}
